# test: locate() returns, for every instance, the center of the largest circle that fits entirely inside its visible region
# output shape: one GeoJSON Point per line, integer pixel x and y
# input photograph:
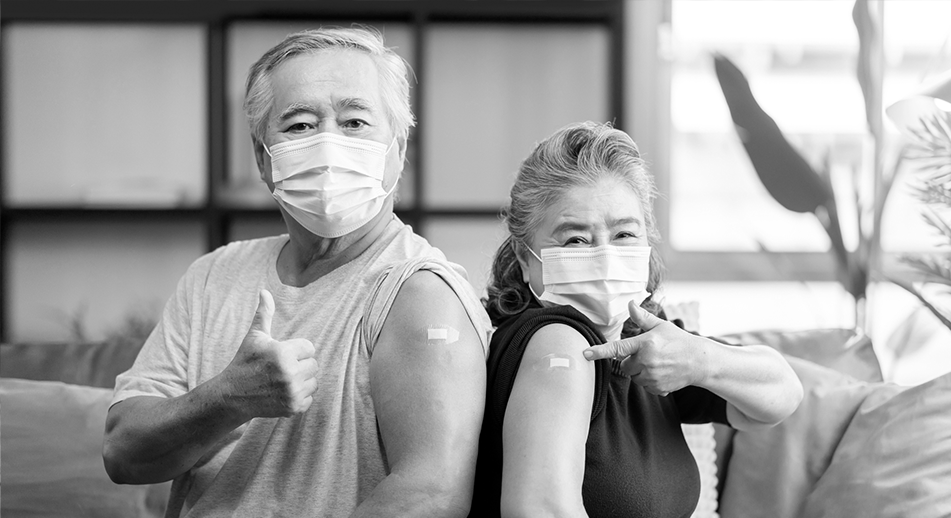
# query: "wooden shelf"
{"type": "Point", "coordinates": [85, 213]}
{"type": "Point", "coordinates": [230, 206]}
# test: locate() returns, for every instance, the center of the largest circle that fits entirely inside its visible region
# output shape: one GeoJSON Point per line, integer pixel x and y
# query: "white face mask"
{"type": "Point", "coordinates": [331, 184]}
{"type": "Point", "coordinates": [599, 281]}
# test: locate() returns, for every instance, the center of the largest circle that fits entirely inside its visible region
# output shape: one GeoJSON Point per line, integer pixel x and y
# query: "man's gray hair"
{"type": "Point", "coordinates": [393, 70]}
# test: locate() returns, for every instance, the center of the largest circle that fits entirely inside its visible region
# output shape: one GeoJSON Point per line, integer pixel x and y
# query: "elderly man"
{"type": "Point", "coordinates": [338, 369]}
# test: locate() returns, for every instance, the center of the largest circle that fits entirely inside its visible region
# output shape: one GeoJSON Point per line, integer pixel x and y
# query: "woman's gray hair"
{"type": "Point", "coordinates": [394, 73]}
{"type": "Point", "coordinates": [580, 154]}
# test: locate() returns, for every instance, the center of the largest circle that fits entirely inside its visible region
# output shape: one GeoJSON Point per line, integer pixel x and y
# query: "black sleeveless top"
{"type": "Point", "coordinates": [637, 463]}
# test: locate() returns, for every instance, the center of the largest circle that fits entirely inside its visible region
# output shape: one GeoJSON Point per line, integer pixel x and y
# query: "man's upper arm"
{"type": "Point", "coordinates": [427, 380]}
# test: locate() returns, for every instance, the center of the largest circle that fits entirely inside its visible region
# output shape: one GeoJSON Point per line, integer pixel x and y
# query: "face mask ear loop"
{"type": "Point", "coordinates": [536, 255]}
{"type": "Point", "coordinates": [392, 187]}
{"type": "Point", "coordinates": [537, 296]}
{"type": "Point", "coordinates": [266, 150]}
{"type": "Point", "coordinates": [529, 283]}
{"type": "Point", "coordinates": [400, 176]}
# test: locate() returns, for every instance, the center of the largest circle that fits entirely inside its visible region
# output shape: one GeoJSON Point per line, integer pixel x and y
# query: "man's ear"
{"type": "Point", "coordinates": [401, 142]}
{"type": "Point", "coordinates": [261, 157]}
{"type": "Point", "coordinates": [520, 256]}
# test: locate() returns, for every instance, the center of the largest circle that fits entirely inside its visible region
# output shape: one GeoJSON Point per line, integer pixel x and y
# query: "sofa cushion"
{"type": "Point", "coordinates": [95, 364]}
{"type": "Point", "coordinates": [837, 349]}
{"type": "Point", "coordinates": [51, 451]}
{"type": "Point", "coordinates": [772, 471]}
{"type": "Point", "coordinates": [894, 459]}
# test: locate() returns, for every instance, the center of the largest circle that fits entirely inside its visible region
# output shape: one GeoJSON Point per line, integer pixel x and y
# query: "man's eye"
{"type": "Point", "coordinates": [355, 124]}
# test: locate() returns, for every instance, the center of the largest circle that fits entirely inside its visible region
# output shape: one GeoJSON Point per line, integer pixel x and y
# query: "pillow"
{"type": "Point", "coordinates": [700, 440]}
{"type": "Point", "coordinates": [52, 455]}
{"type": "Point", "coordinates": [772, 471]}
{"type": "Point", "coordinates": [838, 349]}
{"type": "Point", "coordinates": [895, 457]}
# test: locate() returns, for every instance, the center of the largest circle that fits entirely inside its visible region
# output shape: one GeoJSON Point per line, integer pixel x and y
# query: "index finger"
{"type": "Point", "coordinates": [615, 349]}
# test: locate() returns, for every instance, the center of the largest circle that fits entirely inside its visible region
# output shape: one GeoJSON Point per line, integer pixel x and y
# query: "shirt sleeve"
{"type": "Point", "coordinates": [388, 287]}
{"type": "Point", "coordinates": [509, 343]}
{"type": "Point", "coordinates": [161, 368]}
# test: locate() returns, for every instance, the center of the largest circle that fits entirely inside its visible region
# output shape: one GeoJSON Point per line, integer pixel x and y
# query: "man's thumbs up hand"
{"type": "Point", "coordinates": [267, 377]}
{"type": "Point", "coordinates": [264, 314]}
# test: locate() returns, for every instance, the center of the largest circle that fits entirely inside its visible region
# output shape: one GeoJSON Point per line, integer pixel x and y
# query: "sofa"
{"type": "Point", "coordinates": [53, 403]}
{"type": "Point", "coordinates": [855, 447]}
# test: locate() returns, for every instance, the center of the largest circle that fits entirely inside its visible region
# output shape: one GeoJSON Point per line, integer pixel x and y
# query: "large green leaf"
{"type": "Point", "coordinates": [783, 171]}
{"type": "Point", "coordinates": [868, 66]}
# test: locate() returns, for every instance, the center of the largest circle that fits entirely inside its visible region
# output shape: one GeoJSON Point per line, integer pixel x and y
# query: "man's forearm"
{"type": "Point", "coordinates": [154, 439]}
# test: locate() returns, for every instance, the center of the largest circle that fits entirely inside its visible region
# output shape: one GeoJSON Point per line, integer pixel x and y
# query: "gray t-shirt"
{"type": "Point", "coordinates": [327, 460]}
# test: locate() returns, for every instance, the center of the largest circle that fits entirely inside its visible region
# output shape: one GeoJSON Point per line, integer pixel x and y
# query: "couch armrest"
{"type": "Point", "coordinates": [52, 455]}
{"type": "Point", "coordinates": [94, 364]}
{"type": "Point", "coordinates": [836, 349]}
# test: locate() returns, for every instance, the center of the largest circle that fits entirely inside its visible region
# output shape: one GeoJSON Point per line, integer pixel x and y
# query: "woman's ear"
{"type": "Point", "coordinates": [521, 256]}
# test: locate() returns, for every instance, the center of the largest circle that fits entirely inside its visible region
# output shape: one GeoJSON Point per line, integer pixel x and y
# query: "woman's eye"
{"type": "Point", "coordinates": [576, 240]}
{"type": "Point", "coordinates": [626, 235]}
{"type": "Point", "coordinates": [299, 127]}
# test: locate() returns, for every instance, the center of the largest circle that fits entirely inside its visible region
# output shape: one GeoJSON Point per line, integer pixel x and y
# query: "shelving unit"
{"type": "Point", "coordinates": [215, 213]}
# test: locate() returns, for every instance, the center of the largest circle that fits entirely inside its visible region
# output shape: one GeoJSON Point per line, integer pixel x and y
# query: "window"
{"type": "Point", "coordinates": [800, 59]}
{"type": "Point", "coordinates": [722, 225]}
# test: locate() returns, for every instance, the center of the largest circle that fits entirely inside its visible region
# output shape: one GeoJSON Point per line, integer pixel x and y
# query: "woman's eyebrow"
{"type": "Point", "coordinates": [625, 221]}
{"type": "Point", "coordinates": [570, 226]}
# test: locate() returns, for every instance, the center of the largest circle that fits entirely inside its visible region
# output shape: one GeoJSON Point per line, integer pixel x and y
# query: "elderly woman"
{"type": "Point", "coordinates": [578, 421]}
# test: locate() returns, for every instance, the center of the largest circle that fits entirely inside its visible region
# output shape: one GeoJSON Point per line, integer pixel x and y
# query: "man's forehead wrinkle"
{"type": "Point", "coordinates": [296, 108]}
{"type": "Point", "coordinates": [356, 103]}
{"type": "Point", "coordinates": [309, 88]}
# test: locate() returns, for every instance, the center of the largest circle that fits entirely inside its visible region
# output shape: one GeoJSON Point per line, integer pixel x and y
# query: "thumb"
{"type": "Point", "coordinates": [264, 313]}
{"type": "Point", "coordinates": [643, 318]}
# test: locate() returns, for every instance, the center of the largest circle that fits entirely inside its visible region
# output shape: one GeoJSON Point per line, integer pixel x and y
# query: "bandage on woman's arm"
{"type": "Point", "coordinates": [545, 427]}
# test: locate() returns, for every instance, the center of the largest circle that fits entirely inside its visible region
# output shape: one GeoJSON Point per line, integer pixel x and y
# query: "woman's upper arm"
{"type": "Point", "coordinates": [545, 427]}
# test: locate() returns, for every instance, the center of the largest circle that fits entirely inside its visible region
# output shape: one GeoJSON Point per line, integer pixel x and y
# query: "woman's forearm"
{"type": "Point", "coordinates": [755, 379]}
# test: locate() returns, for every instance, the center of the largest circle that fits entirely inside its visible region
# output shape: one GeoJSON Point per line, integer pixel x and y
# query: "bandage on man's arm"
{"type": "Point", "coordinates": [427, 380]}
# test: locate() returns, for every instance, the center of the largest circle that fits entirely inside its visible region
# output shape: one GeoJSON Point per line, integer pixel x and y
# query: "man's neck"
{"type": "Point", "coordinates": [308, 257]}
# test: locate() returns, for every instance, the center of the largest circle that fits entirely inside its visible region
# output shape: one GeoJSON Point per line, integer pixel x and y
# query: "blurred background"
{"type": "Point", "coordinates": [126, 155]}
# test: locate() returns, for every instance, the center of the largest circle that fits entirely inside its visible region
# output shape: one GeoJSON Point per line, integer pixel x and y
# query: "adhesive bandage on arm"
{"type": "Point", "coordinates": [442, 335]}
{"type": "Point", "coordinates": [556, 362]}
